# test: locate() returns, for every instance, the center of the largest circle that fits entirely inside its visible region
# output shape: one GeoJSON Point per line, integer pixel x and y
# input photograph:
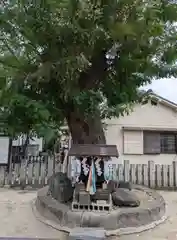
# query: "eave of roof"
{"type": "Point", "coordinates": [163, 100]}
{"type": "Point", "coordinates": [101, 150]}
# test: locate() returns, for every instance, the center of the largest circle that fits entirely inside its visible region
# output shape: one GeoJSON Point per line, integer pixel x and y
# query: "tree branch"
{"type": "Point", "coordinates": [95, 73]}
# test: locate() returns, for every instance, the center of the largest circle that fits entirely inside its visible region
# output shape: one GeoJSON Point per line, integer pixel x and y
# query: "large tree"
{"type": "Point", "coordinates": [79, 61]}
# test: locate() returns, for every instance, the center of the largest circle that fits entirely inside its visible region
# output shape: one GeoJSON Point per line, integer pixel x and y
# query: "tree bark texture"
{"type": "Point", "coordinates": [89, 130]}
{"type": "Point", "coordinates": [85, 130]}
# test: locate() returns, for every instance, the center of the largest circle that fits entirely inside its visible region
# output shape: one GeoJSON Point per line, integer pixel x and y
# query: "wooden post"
{"type": "Point", "coordinates": [139, 174]}
{"type": "Point", "coordinates": [158, 176]}
{"type": "Point", "coordinates": [120, 172]}
{"type": "Point", "coordinates": [17, 173]}
{"type": "Point", "coordinates": [145, 175]}
{"type": "Point", "coordinates": [9, 169]}
{"type": "Point", "coordinates": [114, 168]}
{"type": "Point", "coordinates": [65, 162]}
{"type": "Point", "coordinates": [46, 158]}
{"type": "Point", "coordinates": [26, 171]}
{"type": "Point", "coordinates": [126, 171]}
{"type": "Point", "coordinates": [2, 176]}
{"type": "Point", "coordinates": [23, 174]}
{"type": "Point", "coordinates": [53, 160]}
{"type": "Point", "coordinates": [170, 176]}
{"type": "Point", "coordinates": [36, 171]}
{"type": "Point", "coordinates": [175, 173]}
{"type": "Point", "coordinates": [69, 158]}
{"type": "Point", "coordinates": [42, 172]}
{"type": "Point", "coordinates": [30, 171]}
{"type": "Point", "coordinates": [165, 175]}
{"type": "Point", "coordinates": [50, 167]}
{"type": "Point", "coordinates": [151, 169]}
{"type": "Point", "coordinates": [133, 173]}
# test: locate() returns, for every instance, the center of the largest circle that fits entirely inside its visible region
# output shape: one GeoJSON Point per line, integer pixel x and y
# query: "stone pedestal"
{"type": "Point", "coordinates": [84, 198]}
{"type": "Point", "coordinates": [101, 194]}
{"type": "Point", "coordinates": [151, 209]}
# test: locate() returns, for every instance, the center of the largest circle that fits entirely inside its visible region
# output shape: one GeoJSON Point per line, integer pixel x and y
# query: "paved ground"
{"type": "Point", "coordinates": [17, 219]}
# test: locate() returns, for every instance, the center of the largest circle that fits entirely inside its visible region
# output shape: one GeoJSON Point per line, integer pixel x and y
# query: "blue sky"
{"type": "Point", "coordinates": [166, 88]}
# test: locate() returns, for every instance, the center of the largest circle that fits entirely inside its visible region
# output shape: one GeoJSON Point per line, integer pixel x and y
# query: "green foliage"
{"type": "Point", "coordinates": [52, 57]}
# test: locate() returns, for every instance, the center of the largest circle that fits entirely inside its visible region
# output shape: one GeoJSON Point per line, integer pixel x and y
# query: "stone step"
{"type": "Point", "coordinates": [87, 234]}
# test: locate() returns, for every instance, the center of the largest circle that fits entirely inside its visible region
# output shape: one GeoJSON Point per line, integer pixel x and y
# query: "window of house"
{"type": "Point", "coordinates": [168, 143]}
{"type": "Point", "coordinates": [133, 142]}
{"type": "Point", "coordinates": [159, 142]}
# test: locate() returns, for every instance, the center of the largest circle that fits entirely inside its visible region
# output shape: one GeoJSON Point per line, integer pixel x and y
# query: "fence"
{"type": "Point", "coordinates": [36, 171]}
{"type": "Point", "coordinates": [159, 176]}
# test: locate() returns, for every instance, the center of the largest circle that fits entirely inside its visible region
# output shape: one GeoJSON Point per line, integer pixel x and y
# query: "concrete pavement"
{"type": "Point", "coordinates": [18, 220]}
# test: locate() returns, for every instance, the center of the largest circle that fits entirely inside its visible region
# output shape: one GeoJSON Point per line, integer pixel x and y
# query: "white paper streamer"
{"type": "Point", "coordinates": [85, 166]}
{"type": "Point", "coordinates": [97, 166]}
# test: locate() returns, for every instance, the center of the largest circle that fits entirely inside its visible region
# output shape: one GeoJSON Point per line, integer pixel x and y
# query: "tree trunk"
{"type": "Point", "coordinates": [85, 130]}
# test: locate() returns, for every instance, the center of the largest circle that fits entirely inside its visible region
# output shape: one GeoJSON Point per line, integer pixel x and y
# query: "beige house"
{"type": "Point", "coordinates": [148, 133]}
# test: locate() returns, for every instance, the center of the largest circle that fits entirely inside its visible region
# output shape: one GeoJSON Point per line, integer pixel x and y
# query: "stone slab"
{"type": "Point", "coordinates": [87, 234]}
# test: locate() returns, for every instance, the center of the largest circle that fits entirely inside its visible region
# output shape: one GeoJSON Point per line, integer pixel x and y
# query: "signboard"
{"type": "Point", "coordinates": [4, 149]}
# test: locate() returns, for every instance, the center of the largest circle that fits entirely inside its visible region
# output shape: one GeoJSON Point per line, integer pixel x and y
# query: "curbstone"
{"type": "Point", "coordinates": [118, 221]}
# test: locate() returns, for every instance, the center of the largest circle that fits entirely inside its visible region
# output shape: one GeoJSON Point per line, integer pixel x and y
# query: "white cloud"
{"type": "Point", "coordinates": [166, 88]}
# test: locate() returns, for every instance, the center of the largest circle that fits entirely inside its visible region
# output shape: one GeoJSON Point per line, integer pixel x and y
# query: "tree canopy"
{"type": "Point", "coordinates": [78, 59]}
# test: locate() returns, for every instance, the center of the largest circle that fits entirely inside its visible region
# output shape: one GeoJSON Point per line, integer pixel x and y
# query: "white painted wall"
{"type": "Point", "coordinates": [144, 116]}
{"type": "Point", "coordinates": [35, 141]}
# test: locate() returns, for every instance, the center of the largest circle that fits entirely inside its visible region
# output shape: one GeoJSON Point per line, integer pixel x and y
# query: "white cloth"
{"type": "Point", "coordinates": [75, 168]}
{"type": "Point", "coordinates": [108, 170]}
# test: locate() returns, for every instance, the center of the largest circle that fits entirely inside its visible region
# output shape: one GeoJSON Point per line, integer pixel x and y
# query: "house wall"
{"type": "Point", "coordinates": [35, 141]}
{"type": "Point", "coordinates": [144, 116]}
